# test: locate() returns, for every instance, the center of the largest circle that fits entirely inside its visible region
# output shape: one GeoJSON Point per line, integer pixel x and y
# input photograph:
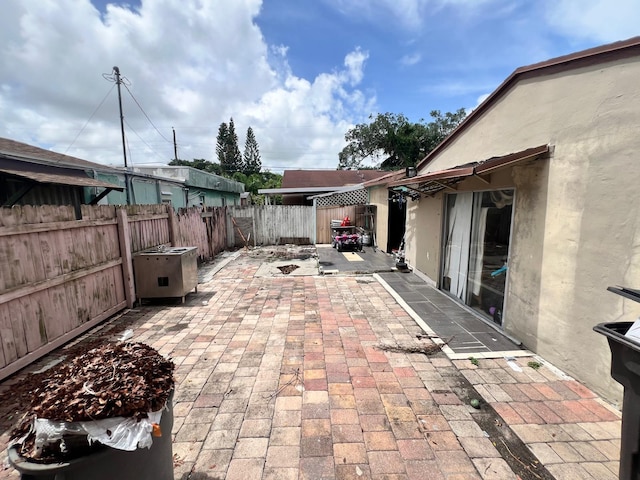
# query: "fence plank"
{"type": "Point", "coordinates": [73, 298]}
{"type": "Point", "coordinates": [127, 260]}
{"type": "Point", "coordinates": [7, 336]}
{"type": "Point", "coordinates": [17, 325]}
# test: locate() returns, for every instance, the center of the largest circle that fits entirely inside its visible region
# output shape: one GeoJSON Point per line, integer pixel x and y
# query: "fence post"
{"type": "Point", "coordinates": [253, 221]}
{"type": "Point", "coordinates": [125, 253]}
{"type": "Point", "coordinates": [173, 227]}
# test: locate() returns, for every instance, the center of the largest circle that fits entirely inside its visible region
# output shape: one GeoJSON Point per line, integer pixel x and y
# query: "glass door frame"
{"type": "Point", "coordinates": [443, 259]}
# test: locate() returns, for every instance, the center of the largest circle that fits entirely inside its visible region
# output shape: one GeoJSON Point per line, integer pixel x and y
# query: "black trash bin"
{"type": "Point", "coordinates": [155, 463]}
{"type": "Point", "coordinates": [625, 369]}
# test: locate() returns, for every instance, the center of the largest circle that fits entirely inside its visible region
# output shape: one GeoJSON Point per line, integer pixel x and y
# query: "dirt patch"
{"type": "Point", "coordinates": [177, 327]}
{"type": "Point", "coordinates": [426, 349]}
{"type": "Point", "coordinates": [284, 252]}
{"type": "Point", "coordinates": [511, 448]}
{"type": "Point", "coordinates": [287, 269]}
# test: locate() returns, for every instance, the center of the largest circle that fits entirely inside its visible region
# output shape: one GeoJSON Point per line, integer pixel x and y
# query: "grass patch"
{"type": "Point", "coordinates": [534, 365]}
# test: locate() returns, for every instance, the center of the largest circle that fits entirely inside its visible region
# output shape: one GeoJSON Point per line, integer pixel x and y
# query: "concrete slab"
{"type": "Point", "coordinates": [464, 332]}
{"type": "Point", "coordinates": [303, 268]}
{"type": "Point", "coordinates": [367, 261]}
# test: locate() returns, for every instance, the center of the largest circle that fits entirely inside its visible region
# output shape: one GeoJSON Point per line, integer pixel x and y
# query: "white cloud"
{"type": "Point", "coordinates": [410, 14]}
{"type": "Point", "coordinates": [354, 62]}
{"type": "Point", "coordinates": [456, 88]}
{"type": "Point", "coordinates": [599, 20]}
{"type": "Point", "coordinates": [409, 60]}
{"type": "Point", "coordinates": [190, 64]}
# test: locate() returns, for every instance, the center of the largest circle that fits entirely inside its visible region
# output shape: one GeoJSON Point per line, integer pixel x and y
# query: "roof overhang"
{"type": "Point", "coordinates": [59, 179]}
{"type": "Point", "coordinates": [433, 182]}
{"type": "Point", "coordinates": [299, 191]}
{"type": "Point", "coordinates": [351, 188]}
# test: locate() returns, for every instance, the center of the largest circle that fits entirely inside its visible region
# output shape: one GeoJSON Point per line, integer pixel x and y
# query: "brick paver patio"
{"type": "Point", "coordinates": [280, 378]}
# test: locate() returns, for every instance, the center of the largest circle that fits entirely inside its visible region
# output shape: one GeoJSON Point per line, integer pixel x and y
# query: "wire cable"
{"type": "Point", "coordinates": [142, 139]}
{"type": "Point", "coordinates": [87, 122]}
{"type": "Point", "coordinates": [145, 114]}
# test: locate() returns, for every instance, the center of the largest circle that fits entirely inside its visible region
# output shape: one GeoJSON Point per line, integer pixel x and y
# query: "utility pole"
{"type": "Point", "coordinates": [116, 71]}
{"type": "Point", "coordinates": [175, 145]}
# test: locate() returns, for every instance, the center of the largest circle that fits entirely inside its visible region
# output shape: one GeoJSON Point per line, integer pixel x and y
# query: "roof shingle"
{"type": "Point", "coordinates": [328, 178]}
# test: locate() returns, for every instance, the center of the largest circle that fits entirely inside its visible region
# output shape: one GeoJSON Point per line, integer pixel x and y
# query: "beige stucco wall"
{"type": "Point", "coordinates": [379, 196]}
{"type": "Point", "coordinates": [422, 235]}
{"type": "Point", "coordinates": [576, 217]}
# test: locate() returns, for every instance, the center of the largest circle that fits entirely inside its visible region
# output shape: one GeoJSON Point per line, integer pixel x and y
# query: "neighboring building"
{"type": "Point", "coordinates": [34, 176]}
{"type": "Point", "coordinates": [530, 209]}
{"type": "Point", "coordinates": [201, 188]}
{"type": "Point", "coordinates": [299, 185]}
{"type": "Point", "coordinates": [245, 199]}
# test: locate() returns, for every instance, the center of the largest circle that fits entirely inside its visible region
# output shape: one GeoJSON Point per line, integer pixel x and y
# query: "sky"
{"type": "Point", "coordinates": [300, 73]}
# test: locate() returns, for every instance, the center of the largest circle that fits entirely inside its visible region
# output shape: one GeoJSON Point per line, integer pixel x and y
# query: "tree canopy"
{"type": "Point", "coordinates": [251, 156]}
{"type": "Point", "coordinates": [227, 148]}
{"type": "Point", "coordinates": [200, 164]}
{"type": "Point", "coordinates": [395, 140]}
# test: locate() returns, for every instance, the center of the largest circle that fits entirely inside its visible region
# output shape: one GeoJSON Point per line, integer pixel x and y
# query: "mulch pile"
{"type": "Point", "coordinates": [111, 380]}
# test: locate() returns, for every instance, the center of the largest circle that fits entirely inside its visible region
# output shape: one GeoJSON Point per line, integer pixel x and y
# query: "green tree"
{"type": "Point", "coordinates": [252, 182]}
{"type": "Point", "coordinates": [200, 164]}
{"type": "Point", "coordinates": [221, 145]}
{"type": "Point", "coordinates": [234, 157]}
{"type": "Point", "coordinates": [227, 149]}
{"type": "Point", "coordinates": [251, 157]}
{"type": "Point", "coordinates": [395, 140]}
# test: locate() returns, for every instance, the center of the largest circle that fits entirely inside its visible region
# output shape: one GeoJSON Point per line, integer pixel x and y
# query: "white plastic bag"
{"type": "Point", "coordinates": [119, 432]}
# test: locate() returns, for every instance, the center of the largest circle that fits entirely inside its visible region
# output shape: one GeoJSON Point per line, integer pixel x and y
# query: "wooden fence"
{"type": "Point", "coordinates": [206, 230]}
{"type": "Point", "coordinates": [271, 224]}
{"type": "Point", "coordinates": [60, 276]}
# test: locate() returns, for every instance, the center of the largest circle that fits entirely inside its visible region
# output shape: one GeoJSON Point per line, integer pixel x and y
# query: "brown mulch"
{"type": "Point", "coordinates": [111, 380]}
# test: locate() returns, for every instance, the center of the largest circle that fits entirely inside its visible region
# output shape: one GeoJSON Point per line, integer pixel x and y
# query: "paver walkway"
{"type": "Point", "coordinates": [280, 378]}
{"type": "Point", "coordinates": [571, 431]}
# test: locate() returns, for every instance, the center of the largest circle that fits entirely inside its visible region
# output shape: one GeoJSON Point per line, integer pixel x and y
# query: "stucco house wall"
{"type": "Point", "coordinates": [379, 196]}
{"type": "Point", "coordinates": [576, 225]}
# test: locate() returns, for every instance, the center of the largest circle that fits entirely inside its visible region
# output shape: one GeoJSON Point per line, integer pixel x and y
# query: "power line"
{"type": "Point", "coordinates": [142, 139]}
{"type": "Point", "coordinates": [87, 122]}
{"type": "Point", "coordinates": [145, 114]}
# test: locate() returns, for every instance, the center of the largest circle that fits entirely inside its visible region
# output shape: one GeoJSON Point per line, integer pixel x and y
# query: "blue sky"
{"type": "Point", "coordinates": [300, 73]}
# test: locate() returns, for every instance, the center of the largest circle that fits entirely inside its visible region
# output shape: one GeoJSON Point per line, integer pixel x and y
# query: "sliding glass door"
{"type": "Point", "coordinates": [476, 249]}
